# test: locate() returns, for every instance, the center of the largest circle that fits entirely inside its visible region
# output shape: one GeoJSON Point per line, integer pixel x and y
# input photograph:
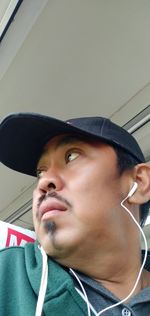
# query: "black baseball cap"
{"type": "Point", "coordinates": [24, 135]}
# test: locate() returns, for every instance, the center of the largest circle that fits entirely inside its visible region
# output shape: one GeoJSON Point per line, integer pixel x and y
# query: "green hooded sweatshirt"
{"type": "Point", "coordinates": [20, 278]}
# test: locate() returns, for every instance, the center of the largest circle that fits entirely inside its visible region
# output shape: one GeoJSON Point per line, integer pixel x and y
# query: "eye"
{"type": "Point", "coordinates": [39, 173]}
{"type": "Point", "coordinates": [71, 155]}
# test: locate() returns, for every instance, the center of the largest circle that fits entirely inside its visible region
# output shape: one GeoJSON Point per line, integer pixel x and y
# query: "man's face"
{"type": "Point", "coordinates": [76, 205]}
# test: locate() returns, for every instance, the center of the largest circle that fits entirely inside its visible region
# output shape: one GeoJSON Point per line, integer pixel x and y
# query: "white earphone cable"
{"type": "Point", "coordinates": [142, 267]}
{"type": "Point", "coordinates": [84, 292]}
{"type": "Point", "coordinates": [43, 284]}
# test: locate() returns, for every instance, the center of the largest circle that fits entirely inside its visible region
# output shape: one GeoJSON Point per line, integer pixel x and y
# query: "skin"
{"type": "Point", "coordinates": [77, 214]}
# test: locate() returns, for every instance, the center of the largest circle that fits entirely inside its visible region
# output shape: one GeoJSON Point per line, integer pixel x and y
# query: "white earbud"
{"type": "Point", "coordinates": [133, 189]}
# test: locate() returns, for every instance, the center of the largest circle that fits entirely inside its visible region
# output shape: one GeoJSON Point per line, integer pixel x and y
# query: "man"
{"type": "Point", "coordinates": [90, 174]}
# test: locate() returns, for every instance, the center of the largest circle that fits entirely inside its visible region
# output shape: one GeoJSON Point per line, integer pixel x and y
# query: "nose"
{"type": "Point", "coordinates": [50, 181]}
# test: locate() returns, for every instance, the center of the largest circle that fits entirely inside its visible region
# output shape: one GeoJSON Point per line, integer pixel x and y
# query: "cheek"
{"type": "Point", "coordinates": [34, 209]}
{"type": "Point", "coordinates": [86, 199]}
{"type": "Point", "coordinates": [88, 185]}
{"type": "Point", "coordinates": [94, 194]}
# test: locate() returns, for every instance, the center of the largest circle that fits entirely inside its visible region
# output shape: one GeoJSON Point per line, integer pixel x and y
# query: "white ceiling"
{"type": "Point", "coordinates": [68, 58]}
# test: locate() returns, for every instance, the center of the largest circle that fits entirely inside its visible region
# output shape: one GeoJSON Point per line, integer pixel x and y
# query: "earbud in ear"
{"type": "Point", "coordinates": [133, 189]}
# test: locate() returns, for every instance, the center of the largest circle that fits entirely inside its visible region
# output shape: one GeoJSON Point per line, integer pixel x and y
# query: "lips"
{"type": "Point", "coordinates": [50, 208]}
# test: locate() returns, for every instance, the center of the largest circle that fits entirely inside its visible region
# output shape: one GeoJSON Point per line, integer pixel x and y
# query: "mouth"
{"type": "Point", "coordinates": [49, 209]}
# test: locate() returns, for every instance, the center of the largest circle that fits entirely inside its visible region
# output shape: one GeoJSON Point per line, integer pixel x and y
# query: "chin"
{"type": "Point", "coordinates": [58, 244]}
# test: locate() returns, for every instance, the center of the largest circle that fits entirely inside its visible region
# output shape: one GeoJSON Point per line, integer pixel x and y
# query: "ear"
{"type": "Point", "coordinates": [142, 177]}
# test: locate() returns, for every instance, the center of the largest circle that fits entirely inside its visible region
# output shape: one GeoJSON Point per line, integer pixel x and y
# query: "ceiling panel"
{"type": "Point", "coordinates": [4, 4]}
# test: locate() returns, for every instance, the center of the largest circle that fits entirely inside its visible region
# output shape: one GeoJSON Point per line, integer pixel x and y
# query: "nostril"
{"type": "Point", "coordinates": [51, 185]}
{"type": "Point", "coordinates": [43, 191]}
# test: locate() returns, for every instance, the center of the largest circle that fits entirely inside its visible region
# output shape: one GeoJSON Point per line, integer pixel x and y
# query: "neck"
{"type": "Point", "coordinates": [123, 288]}
{"type": "Point", "coordinates": [119, 274]}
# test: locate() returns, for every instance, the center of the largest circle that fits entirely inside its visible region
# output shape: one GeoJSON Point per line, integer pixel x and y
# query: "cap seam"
{"type": "Point", "coordinates": [103, 124]}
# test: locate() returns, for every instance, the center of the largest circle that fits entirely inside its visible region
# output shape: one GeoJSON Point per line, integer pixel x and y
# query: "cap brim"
{"type": "Point", "coordinates": [23, 136]}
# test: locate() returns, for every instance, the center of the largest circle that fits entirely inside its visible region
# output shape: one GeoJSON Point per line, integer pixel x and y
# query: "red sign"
{"type": "Point", "coordinates": [12, 235]}
{"type": "Point", "coordinates": [16, 238]}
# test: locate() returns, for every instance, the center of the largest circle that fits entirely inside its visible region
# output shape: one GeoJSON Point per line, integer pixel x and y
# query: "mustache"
{"type": "Point", "coordinates": [55, 195]}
